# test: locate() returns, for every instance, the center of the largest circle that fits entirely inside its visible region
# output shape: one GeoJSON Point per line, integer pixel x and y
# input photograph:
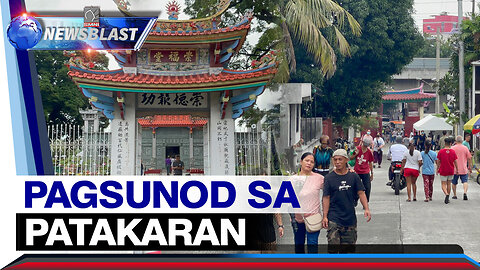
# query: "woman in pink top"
{"type": "Point", "coordinates": [309, 197]}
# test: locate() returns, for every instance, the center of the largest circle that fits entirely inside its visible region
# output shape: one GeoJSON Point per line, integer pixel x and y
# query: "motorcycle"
{"type": "Point", "coordinates": [399, 182]}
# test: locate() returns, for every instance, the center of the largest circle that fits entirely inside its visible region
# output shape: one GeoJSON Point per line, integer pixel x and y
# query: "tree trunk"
{"type": "Point", "coordinates": [289, 48]}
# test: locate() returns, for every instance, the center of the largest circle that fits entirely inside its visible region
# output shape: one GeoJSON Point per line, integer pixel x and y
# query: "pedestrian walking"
{"type": "Point", "coordinates": [341, 190]}
{"type": "Point", "coordinates": [378, 144]}
{"type": "Point", "coordinates": [429, 158]}
{"type": "Point", "coordinates": [441, 141]}
{"type": "Point", "coordinates": [177, 166]}
{"type": "Point", "coordinates": [368, 136]}
{"type": "Point", "coordinates": [168, 165]}
{"type": "Point", "coordinates": [464, 162]}
{"type": "Point", "coordinates": [447, 163]}
{"type": "Point", "coordinates": [406, 141]}
{"type": "Point", "coordinates": [364, 165]}
{"type": "Point", "coordinates": [309, 197]}
{"type": "Point", "coordinates": [411, 163]}
{"type": "Point", "coordinates": [468, 137]}
{"type": "Point", "coordinates": [421, 141]}
{"type": "Point", "coordinates": [323, 156]}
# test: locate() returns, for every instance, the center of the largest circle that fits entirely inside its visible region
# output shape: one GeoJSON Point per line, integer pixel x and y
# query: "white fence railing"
{"type": "Point", "coordinates": [78, 150]}
{"type": "Point", "coordinates": [252, 152]}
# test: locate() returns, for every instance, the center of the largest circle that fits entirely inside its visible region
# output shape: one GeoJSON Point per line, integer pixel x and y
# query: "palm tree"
{"type": "Point", "coordinates": [307, 21]}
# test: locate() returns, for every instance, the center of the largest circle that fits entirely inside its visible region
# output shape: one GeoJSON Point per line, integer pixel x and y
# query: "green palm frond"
{"type": "Point", "coordinates": [306, 18]}
{"type": "Point", "coordinates": [342, 43]}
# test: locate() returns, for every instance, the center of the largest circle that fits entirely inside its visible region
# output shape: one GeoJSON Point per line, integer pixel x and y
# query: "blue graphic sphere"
{"type": "Point", "coordinates": [24, 32]}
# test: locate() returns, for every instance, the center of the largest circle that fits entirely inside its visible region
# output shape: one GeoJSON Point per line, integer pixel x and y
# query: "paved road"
{"type": "Point", "coordinates": [416, 222]}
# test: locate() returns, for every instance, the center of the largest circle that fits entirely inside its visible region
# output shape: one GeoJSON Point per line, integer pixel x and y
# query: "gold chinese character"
{"type": "Point", "coordinates": [174, 57]}
{"type": "Point", "coordinates": [158, 57]}
{"type": "Point", "coordinates": [188, 56]}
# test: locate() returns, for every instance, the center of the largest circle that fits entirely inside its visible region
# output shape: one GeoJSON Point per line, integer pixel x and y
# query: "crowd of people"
{"type": "Point", "coordinates": [345, 178]}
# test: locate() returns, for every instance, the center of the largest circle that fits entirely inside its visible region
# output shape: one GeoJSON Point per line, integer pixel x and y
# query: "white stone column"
{"type": "Point", "coordinates": [190, 133]}
{"type": "Point", "coordinates": [206, 148]}
{"type": "Point", "coordinates": [123, 138]}
{"type": "Point", "coordinates": [222, 142]}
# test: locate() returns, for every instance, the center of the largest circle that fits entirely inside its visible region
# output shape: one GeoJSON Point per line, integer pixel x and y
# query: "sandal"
{"type": "Point", "coordinates": [408, 200]}
{"type": "Point", "coordinates": [426, 200]}
{"type": "Point", "coordinates": [414, 199]}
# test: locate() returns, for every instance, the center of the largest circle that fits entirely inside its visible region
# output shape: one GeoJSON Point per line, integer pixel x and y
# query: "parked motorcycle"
{"type": "Point", "coordinates": [399, 182]}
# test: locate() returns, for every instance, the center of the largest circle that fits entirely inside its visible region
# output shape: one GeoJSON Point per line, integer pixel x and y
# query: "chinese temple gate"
{"type": "Point", "coordinates": [415, 99]}
{"type": "Point", "coordinates": [175, 95]}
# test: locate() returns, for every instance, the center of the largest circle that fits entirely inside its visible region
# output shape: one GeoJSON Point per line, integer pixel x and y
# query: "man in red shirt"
{"type": "Point", "coordinates": [364, 164]}
{"type": "Point", "coordinates": [447, 165]}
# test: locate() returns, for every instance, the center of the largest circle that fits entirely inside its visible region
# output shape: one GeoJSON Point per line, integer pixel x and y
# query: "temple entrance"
{"type": "Point", "coordinates": [172, 151]}
{"type": "Point", "coordinates": [170, 135]}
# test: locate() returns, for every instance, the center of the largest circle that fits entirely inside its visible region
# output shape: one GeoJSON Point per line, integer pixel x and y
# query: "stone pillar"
{"type": "Point", "coordinates": [206, 148]}
{"type": "Point", "coordinates": [191, 146]}
{"type": "Point", "coordinates": [222, 142]}
{"type": "Point", "coordinates": [421, 109]}
{"type": "Point", "coordinates": [138, 150]}
{"type": "Point", "coordinates": [154, 148]}
{"type": "Point", "coordinates": [123, 138]}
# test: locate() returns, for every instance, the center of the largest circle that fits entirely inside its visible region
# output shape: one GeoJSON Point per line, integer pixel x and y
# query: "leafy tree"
{"type": "Point", "coordinates": [60, 96]}
{"type": "Point", "coordinates": [315, 24]}
{"type": "Point", "coordinates": [449, 83]}
{"type": "Point", "coordinates": [429, 48]}
{"type": "Point", "coordinates": [388, 42]}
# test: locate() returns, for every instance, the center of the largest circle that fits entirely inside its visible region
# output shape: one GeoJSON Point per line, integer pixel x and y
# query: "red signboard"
{"type": "Point", "coordinates": [173, 56]}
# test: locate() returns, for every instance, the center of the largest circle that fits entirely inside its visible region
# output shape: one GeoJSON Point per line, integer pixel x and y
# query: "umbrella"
{"type": "Point", "coordinates": [473, 125]}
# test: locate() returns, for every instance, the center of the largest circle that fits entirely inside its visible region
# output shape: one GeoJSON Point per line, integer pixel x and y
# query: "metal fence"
{"type": "Point", "coordinates": [253, 152]}
{"type": "Point", "coordinates": [79, 150]}
{"type": "Point", "coordinates": [311, 128]}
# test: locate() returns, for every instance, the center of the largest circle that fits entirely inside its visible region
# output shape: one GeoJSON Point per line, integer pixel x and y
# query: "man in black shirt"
{"type": "Point", "coordinates": [341, 191]}
{"type": "Point", "coordinates": [177, 166]}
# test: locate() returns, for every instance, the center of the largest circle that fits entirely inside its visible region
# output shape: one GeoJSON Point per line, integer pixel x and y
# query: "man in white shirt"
{"type": "Point", "coordinates": [395, 152]}
{"type": "Point", "coordinates": [378, 144]}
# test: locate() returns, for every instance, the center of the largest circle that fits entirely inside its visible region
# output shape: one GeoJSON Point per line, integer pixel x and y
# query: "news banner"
{"type": "Point", "coordinates": [95, 204]}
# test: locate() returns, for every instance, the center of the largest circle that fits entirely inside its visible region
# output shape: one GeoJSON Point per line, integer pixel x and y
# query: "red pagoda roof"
{"type": "Point", "coordinates": [418, 97]}
{"type": "Point", "coordinates": [197, 33]}
{"type": "Point", "coordinates": [408, 95]}
{"type": "Point", "coordinates": [147, 82]}
{"type": "Point", "coordinates": [173, 121]}
{"type": "Point", "coordinates": [156, 79]}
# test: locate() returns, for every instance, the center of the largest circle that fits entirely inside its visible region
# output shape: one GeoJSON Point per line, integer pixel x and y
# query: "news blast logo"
{"type": "Point", "coordinates": [24, 32]}
{"type": "Point", "coordinates": [91, 16]}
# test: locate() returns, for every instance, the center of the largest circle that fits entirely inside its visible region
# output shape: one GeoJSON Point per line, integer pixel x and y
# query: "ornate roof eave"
{"type": "Point", "coordinates": [210, 36]}
{"type": "Point", "coordinates": [414, 95]}
{"type": "Point", "coordinates": [116, 80]}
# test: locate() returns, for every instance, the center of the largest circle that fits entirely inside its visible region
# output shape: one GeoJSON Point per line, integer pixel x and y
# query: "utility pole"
{"type": "Point", "coordinates": [437, 69]}
{"type": "Point", "coordinates": [473, 8]}
{"type": "Point", "coordinates": [461, 72]}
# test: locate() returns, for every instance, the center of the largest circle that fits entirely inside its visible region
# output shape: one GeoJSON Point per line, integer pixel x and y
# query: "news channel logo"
{"type": "Point", "coordinates": [24, 32]}
{"type": "Point", "coordinates": [91, 16]}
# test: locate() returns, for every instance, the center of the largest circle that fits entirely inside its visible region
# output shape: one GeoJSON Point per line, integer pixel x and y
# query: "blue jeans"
{"type": "Point", "coordinates": [312, 239]}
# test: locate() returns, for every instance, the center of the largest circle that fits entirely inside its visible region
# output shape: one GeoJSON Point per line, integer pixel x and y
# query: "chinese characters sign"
{"type": "Point", "coordinates": [172, 100]}
{"type": "Point", "coordinates": [223, 138]}
{"type": "Point", "coordinates": [121, 141]}
{"type": "Point", "coordinates": [173, 56]}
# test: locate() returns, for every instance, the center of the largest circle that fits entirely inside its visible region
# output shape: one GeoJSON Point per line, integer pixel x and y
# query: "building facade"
{"type": "Point", "coordinates": [176, 96]}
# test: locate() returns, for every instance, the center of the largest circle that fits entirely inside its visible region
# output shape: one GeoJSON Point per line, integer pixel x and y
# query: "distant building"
{"type": "Point", "coordinates": [446, 23]}
{"type": "Point", "coordinates": [421, 71]}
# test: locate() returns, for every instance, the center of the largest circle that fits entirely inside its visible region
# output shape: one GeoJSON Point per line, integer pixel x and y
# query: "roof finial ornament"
{"type": "Point", "coordinates": [173, 9]}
